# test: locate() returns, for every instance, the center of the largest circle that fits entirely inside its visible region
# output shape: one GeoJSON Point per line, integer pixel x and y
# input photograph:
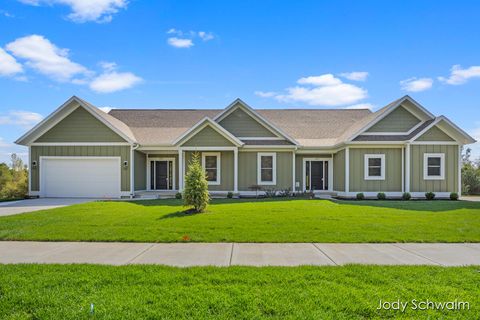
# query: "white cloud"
{"type": "Point", "coordinates": [355, 76]}
{"type": "Point", "coordinates": [416, 85]}
{"type": "Point", "coordinates": [475, 133]}
{"type": "Point", "coordinates": [86, 10]}
{"type": "Point", "coordinates": [324, 90]}
{"type": "Point", "coordinates": [112, 81]}
{"type": "Point", "coordinates": [108, 66]}
{"type": "Point", "coordinates": [180, 43]}
{"type": "Point", "coordinates": [8, 65]}
{"type": "Point", "coordinates": [461, 76]}
{"type": "Point", "coordinates": [205, 36]}
{"type": "Point", "coordinates": [265, 94]}
{"type": "Point", "coordinates": [24, 119]}
{"type": "Point", "coordinates": [105, 109]}
{"type": "Point", "coordinates": [368, 106]}
{"type": "Point", "coordinates": [43, 56]}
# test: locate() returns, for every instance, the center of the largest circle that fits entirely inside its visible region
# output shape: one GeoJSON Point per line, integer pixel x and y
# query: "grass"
{"type": "Point", "coordinates": [244, 220]}
{"type": "Point", "coordinates": [157, 292]}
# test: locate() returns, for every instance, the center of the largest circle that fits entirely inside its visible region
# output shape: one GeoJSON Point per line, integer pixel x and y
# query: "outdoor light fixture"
{"type": "Point", "coordinates": [34, 164]}
{"type": "Point", "coordinates": [125, 164]}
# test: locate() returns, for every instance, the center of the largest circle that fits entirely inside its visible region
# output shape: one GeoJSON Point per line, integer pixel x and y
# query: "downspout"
{"type": "Point", "coordinates": [133, 147]}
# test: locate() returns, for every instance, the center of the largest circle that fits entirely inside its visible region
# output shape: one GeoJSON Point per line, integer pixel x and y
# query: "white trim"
{"type": "Point", "coordinates": [41, 187]}
{"type": "Point", "coordinates": [219, 170]}
{"type": "Point", "coordinates": [261, 138]}
{"type": "Point", "coordinates": [376, 143]}
{"type": "Point", "coordinates": [30, 170]}
{"type": "Point", "coordinates": [329, 173]}
{"type": "Point", "coordinates": [468, 138]}
{"type": "Point", "coordinates": [369, 194]}
{"type": "Point", "coordinates": [366, 158]}
{"type": "Point", "coordinates": [181, 168]}
{"type": "Point", "coordinates": [407, 168]}
{"type": "Point", "coordinates": [415, 127]}
{"type": "Point", "coordinates": [132, 167]}
{"type": "Point", "coordinates": [235, 170]}
{"type": "Point", "coordinates": [438, 195]}
{"type": "Point", "coordinates": [207, 148]}
{"type": "Point", "coordinates": [459, 170]}
{"type": "Point", "coordinates": [293, 171]}
{"type": "Point", "coordinates": [200, 125]}
{"type": "Point", "coordinates": [284, 147]}
{"type": "Point", "coordinates": [435, 143]}
{"type": "Point", "coordinates": [403, 169]}
{"type": "Point", "coordinates": [347, 169]}
{"type": "Point", "coordinates": [62, 144]}
{"type": "Point", "coordinates": [442, 166]}
{"type": "Point", "coordinates": [149, 170]}
{"type": "Point", "coordinates": [251, 112]}
{"type": "Point", "coordinates": [274, 168]}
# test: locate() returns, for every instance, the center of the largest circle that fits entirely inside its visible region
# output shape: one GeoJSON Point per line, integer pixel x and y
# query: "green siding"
{"type": "Point", "coordinates": [299, 166]}
{"type": "Point", "coordinates": [339, 171]}
{"type": "Point", "coordinates": [435, 134]}
{"type": "Point", "coordinates": [240, 124]}
{"type": "Point", "coordinates": [449, 184]}
{"type": "Point", "coordinates": [208, 137]}
{"type": "Point", "coordinates": [399, 120]}
{"type": "Point", "coordinates": [81, 151]}
{"type": "Point", "coordinates": [226, 170]}
{"type": "Point", "coordinates": [247, 168]}
{"type": "Point", "coordinates": [393, 170]}
{"type": "Point", "coordinates": [140, 170]}
{"type": "Point", "coordinates": [80, 126]}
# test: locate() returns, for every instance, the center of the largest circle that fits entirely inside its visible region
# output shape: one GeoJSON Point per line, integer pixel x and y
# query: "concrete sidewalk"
{"type": "Point", "coordinates": [248, 254]}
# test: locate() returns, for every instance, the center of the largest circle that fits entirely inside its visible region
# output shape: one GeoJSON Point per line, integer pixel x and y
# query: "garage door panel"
{"type": "Point", "coordinates": [85, 177]}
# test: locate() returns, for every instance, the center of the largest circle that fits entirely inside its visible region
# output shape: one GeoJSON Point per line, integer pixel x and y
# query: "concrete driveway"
{"type": "Point", "coordinates": [29, 205]}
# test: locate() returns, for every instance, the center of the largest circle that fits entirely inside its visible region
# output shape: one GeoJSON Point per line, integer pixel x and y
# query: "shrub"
{"type": "Point", "coordinates": [360, 196]}
{"type": "Point", "coordinates": [178, 195]}
{"type": "Point", "coordinates": [406, 196]}
{"type": "Point", "coordinates": [270, 193]}
{"type": "Point", "coordinates": [286, 192]}
{"type": "Point", "coordinates": [430, 195]}
{"type": "Point", "coordinates": [453, 196]}
{"type": "Point", "coordinates": [230, 195]}
{"type": "Point", "coordinates": [381, 196]}
{"type": "Point", "coordinates": [196, 185]}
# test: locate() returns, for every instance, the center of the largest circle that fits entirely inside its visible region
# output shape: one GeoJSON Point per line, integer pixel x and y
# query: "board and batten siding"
{"type": "Point", "coordinates": [241, 124]}
{"type": "Point", "coordinates": [393, 170]}
{"type": "Point", "coordinates": [80, 126]}
{"type": "Point", "coordinates": [207, 137]}
{"type": "Point", "coordinates": [140, 170]}
{"type": "Point", "coordinates": [247, 171]}
{"type": "Point", "coordinates": [226, 167]}
{"type": "Point", "coordinates": [449, 184]}
{"type": "Point", "coordinates": [399, 120]}
{"type": "Point", "coordinates": [81, 151]}
{"type": "Point", "coordinates": [434, 134]}
{"type": "Point", "coordinates": [339, 171]}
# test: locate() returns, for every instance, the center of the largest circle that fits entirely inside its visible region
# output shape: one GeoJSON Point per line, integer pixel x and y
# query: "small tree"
{"type": "Point", "coordinates": [196, 185]}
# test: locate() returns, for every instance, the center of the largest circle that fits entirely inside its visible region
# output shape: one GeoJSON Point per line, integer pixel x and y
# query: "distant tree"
{"type": "Point", "coordinates": [13, 179]}
{"type": "Point", "coordinates": [466, 155]}
{"type": "Point", "coordinates": [196, 185]}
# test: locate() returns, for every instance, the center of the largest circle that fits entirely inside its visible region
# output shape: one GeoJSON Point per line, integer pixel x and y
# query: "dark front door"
{"type": "Point", "coordinates": [316, 168]}
{"type": "Point", "coordinates": [161, 178]}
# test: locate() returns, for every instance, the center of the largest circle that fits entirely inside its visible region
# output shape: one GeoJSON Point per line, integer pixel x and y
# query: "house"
{"type": "Point", "coordinates": [81, 151]}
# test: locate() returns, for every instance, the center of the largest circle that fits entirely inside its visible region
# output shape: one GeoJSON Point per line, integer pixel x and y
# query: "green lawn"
{"type": "Point", "coordinates": [252, 221]}
{"type": "Point", "coordinates": [157, 292]}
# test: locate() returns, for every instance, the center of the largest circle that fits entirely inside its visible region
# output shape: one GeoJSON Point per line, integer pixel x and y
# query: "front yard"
{"type": "Point", "coordinates": [276, 220]}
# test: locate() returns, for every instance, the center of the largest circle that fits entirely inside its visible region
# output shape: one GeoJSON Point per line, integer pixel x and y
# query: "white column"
{"type": "Point", "coordinates": [407, 168]}
{"type": "Point", "coordinates": [30, 170]}
{"type": "Point", "coordinates": [180, 170]}
{"type": "Point", "coordinates": [235, 170]}
{"type": "Point", "coordinates": [132, 163]}
{"type": "Point", "coordinates": [403, 169]}
{"type": "Point", "coordinates": [347, 169]}
{"type": "Point", "coordinates": [293, 172]}
{"type": "Point", "coordinates": [460, 170]}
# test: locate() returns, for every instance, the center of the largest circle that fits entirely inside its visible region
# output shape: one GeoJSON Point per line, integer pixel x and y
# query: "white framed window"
{"type": "Point", "coordinates": [211, 164]}
{"type": "Point", "coordinates": [266, 168]}
{"type": "Point", "coordinates": [434, 166]}
{"type": "Point", "coordinates": [374, 167]}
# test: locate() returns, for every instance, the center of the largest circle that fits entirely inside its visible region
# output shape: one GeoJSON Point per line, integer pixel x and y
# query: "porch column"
{"type": "Point", "coordinates": [235, 170]}
{"type": "Point", "coordinates": [293, 172]}
{"type": "Point", "coordinates": [347, 169]}
{"type": "Point", "coordinates": [407, 168]}
{"type": "Point", "coordinates": [180, 170]}
{"type": "Point", "coordinates": [460, 147]}
{"type": "Point", "coordinates": [132, 178]}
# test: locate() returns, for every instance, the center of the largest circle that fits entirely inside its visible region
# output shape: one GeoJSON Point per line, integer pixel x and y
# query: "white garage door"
{"type": "Point", "coordinates": [80, 177]}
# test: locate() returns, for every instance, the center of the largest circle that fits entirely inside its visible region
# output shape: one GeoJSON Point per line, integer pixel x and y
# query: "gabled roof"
{"type": "Point", "coordinates": [64, 110]}
{"type": "Point", "coordinates": [202, 124]}
{"type": "Point", "coordinates": [463, 137]}
{"type": "Point", "coordinates": [238, 103]}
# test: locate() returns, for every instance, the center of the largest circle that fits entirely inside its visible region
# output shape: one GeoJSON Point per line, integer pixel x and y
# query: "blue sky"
{"type": "Point", "coordinates": [204, 54]}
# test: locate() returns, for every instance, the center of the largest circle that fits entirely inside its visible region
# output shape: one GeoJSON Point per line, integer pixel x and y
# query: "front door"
{"type": "Point", "coordinates": [161, 175]}
{"type": "Point", "coordinates": [316, 175]}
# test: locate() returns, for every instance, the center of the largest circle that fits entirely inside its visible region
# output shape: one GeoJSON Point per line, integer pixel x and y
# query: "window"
{"type": "Point", "coordinates": [374, 167]}
{"type": "Point", "coordinates": [267, 168]}
{"type": "Point", "coordinates": [433, 166]}
{"type": "Point", "coordinates": [211, 164]}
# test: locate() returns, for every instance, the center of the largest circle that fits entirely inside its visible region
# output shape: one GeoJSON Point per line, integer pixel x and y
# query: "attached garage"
{"type": "Point", "coordinates": [80, 177]}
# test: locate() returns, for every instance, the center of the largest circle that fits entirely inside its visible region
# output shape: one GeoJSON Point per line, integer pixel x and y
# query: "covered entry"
{"type": "Point", "coordinates": [317, 174]}
{"type": "Point", "coordinates": [161, 173]}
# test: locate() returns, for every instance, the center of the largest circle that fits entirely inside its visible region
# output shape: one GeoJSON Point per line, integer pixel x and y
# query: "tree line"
{"type": "Point", "coordinates": [13, 179]}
